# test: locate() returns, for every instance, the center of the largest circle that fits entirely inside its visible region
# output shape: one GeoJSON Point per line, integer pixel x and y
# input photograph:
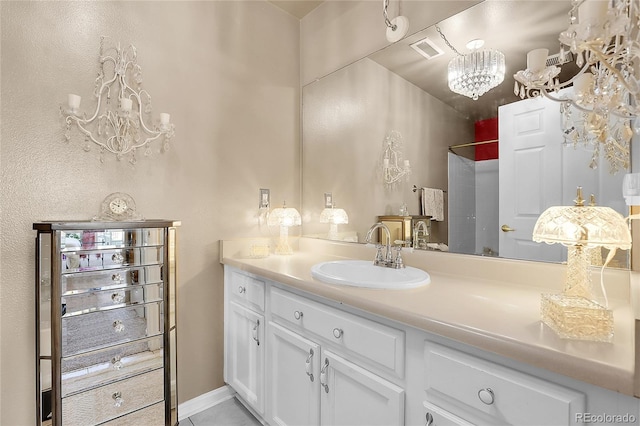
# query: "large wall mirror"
{"type": "Point", "coordinates": [398, 94]}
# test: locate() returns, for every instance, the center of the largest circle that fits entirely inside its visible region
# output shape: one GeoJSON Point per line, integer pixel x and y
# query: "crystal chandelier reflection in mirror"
{"type": "Point", "coordinates": [120, 123]}
{"type": "Point", "coordinates": [394, 169]}
{"type": "Point", "coordinates": [475, 73]}
{"type": "Point", "coordinates": [601, 112]}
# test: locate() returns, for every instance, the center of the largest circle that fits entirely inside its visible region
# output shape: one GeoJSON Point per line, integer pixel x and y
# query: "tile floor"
{"type": "Point", "coordinates": [228, 413]}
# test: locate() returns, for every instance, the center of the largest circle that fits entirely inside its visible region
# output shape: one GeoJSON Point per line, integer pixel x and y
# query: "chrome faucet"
{"type": "Point", "coordinates": [420, 232]}
{"type": "Point", "coordinates": [387, 258]}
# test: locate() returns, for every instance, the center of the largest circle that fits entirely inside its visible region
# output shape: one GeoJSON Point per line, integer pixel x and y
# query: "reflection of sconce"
{"type": "Point", "coordinates": [284, 217]}
{"type": "Point", "coordinates": [575, 314]}
{"type": "Point", "coordinates": [392, 172]}
{"type": "Point", "coordinates": [333, 217]}
{"type": "Point", "coordinates": [119, 130]}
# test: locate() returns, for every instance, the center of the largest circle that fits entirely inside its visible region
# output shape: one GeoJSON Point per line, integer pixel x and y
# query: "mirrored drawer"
{"type": "Point", "coordinates": [96, 330]}
{"type": "Point", "coordinates": [113, 400]}
{"type": "Point", "coordinates": [90, 301]}
{"type": "Point", "coordinates": [79, 261]}
{"type": "Point", "coordinates": [111, 238]}
{"type": "Point", "coordinates": [102, 280]}
{"type": "Point", "coordinates": [98, 368]}
{"type": "Point", "coordinates": [153, 415]}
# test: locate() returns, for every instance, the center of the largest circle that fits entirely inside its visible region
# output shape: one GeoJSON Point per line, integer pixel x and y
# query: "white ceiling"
{"type": "Point", "coordinates": [512, 27]}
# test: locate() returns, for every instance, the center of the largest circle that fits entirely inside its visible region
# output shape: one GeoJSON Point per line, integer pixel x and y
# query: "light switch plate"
{"type": "Point", "coordinates": [328, 200]}
{"type": "Point", "coordinates": [265, 198]}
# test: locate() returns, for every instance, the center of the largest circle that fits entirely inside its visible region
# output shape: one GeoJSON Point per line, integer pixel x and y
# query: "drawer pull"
{"type": "Point", "coordinates": [117, 363]}
{"type": "Point", "coordinates": [241, 289]}
{"type": "Point", "coordinates": [337, 333]}
{"type": "Point", "coordinates": [117, 397]}
{"type": "Point", "coordinates": [117, 298]}
{"type": "Point", "coordinates": [297, 315]}
{"type": "Point", "coordinates": [486, 396]}
{"type": "Point", "coordinates": [255, 332]}
{"type": "Point", "coordinates": [116, 278]}
{"type": "Point", "coordinates": [323, 375]}
{"type": "Point", "coordinates": [429, 420]}
{"type": "Point", "coordinates": [308, 365]}
{"type": "Point", "coordinates": [118, 326]}
{"type": "Point", "coordinates": [117, 258]}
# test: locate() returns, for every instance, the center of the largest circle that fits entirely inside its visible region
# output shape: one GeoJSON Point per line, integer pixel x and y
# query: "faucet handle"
{"type": "Point", "coordinates": [397, 259]}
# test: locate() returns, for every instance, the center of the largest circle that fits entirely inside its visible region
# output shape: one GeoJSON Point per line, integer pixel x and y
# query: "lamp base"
{"type": "Point", "coordinates": [574, 317]}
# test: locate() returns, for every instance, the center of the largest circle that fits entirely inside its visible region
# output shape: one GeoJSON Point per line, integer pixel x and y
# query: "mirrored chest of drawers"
{"type": "Point", "coordinates": [106, 323]}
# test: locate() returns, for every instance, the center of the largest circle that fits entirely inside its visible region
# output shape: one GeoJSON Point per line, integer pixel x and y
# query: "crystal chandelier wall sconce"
{"type": "Point", "coordinates": [394, 169]}
{"type": "Point", "coordinates": [603, 109]}
{"type": "Point", "coordinates": [119, 124]}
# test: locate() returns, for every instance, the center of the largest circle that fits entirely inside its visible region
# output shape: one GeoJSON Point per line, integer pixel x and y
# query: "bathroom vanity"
{"type": "Point", "coordinates": [106, 324]}
{"type": "Point", "coordinates": [460, 350]}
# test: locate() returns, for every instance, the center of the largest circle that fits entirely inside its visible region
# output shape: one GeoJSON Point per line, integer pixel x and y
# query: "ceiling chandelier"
{"type": "Point", "coordinates": [600, 111]}
{"type": "Point", "coordinates": [124, 128]}
{"type": "Point", "coordinates": [475, 73]}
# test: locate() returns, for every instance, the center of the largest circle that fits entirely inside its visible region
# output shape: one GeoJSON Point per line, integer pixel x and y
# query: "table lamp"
{"type": "Point", "coordinates": [333, 217]}
{"type": "Point", "coordinates": [284, 217]}
{"type": "Point", "coordinates": [575, 313]}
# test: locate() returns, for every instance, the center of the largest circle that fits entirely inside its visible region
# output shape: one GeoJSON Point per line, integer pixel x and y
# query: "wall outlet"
{"type": "Point", "coordinates": [265, 198]}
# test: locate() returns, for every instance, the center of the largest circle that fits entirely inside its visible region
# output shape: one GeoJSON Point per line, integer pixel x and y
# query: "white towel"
{"type": "Point", "coordinates": [433, 203]}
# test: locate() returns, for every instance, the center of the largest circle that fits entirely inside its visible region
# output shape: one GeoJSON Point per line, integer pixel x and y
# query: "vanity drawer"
{"type": "Point", "coordinates": [104, 366]}
{"type": "Point", "coordinates": [247, 291]}
{"type": "Point", "coordinates": [96, 330]}
{"type": "Point", "coordinates": [109, 299]}
{"type": "Point", "coordinates": [108, 402]}
{"type": "Point", "coordinates": [114, 278]}
{"type": "Point", "coordinates": [504, 395]}
{"type": "Point", "coordinates": [375, 342]}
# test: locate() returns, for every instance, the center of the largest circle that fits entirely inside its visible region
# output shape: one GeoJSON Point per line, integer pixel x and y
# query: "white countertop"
{"type": "Point", "coordinates": [486, 309]}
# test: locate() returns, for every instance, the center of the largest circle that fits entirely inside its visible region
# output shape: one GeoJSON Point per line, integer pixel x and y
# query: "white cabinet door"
{"type": "Point", "coordinates": [245, 354]}
{"type": "Point", "coordinates": [294, 369]}
{"type": "Point", "coordinates": [353, 396]}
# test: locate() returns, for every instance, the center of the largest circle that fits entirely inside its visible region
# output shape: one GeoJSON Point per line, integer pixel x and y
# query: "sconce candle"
{"type": "Point", "coordinates": [537, 59]}
{"type": "Point", "coordinates": [126, 104]}
{"type": "Point", "coordinates": [74, 101]}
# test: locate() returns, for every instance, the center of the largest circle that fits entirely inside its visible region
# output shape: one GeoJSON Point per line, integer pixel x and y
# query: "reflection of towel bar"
{"type": "Point", "coordinates": [415, 188]}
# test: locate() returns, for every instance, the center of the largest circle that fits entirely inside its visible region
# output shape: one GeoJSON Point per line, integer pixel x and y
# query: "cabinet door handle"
{"type": "Point", "coordinates": [486, 396]}
{"type": "Point", "coordinates": [297, 315]}
{"type": "Point", "coordinates": [323, 375]}
{"type": "Point", "coordinates": [429, 421]}
{"type": "Point", "coordinates": [255, 332]}
{"type": "Point", "coordinates": [241, 289]}
{"type": "Point", "coordinates": [337, 333]}
{"type": "Point", "coordinates": [308, 365]}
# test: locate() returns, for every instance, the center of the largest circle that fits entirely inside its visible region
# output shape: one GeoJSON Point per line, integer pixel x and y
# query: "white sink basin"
{"type": "Point", "coordinates": [363, 273]}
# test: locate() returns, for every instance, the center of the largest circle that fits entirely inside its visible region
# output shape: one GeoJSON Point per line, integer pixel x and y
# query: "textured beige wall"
{"type": "Point", "coordinates": [228, 74]}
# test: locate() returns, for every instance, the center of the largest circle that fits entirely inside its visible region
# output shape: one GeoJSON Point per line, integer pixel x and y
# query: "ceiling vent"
{"type": "Point", "coordinates": [427, 48]}
{"type": "Point", "coordinates": [555, 59]}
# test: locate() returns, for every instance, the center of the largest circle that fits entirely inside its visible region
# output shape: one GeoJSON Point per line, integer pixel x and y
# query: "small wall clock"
{"type": "Point", "coordinates": [118, 206]}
